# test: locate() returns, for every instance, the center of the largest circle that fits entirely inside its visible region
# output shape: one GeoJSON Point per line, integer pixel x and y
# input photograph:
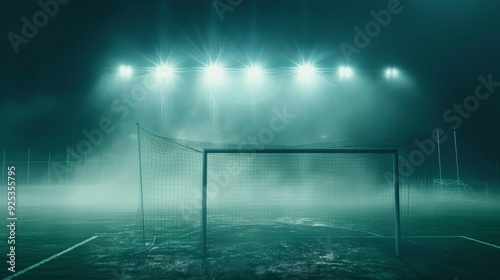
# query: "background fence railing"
{"type": "Point", "coordinates": [62, 168]}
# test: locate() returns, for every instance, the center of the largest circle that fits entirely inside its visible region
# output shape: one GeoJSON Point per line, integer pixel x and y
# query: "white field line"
{"type": "Point", "coordinates": [145, 249]}
{"type": "Point", "coordinates": [433, 236]}
{"type": "Point", "coordinates": [357, 230]}
{"type": "Point", "coordinates": [457, 236]}
{"type": "Point", "coordinates": [331, 226]}
{"type": "Point", "coordinates": [481, 242]}
{"type": "Point", "coordinates": [50, 258]}
{"type": "Point", "coordinates": [186, 234]}
{"type": "Point", "coordinates": [439, 252]}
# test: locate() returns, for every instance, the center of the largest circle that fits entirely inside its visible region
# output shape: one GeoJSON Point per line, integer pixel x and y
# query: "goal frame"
{"type": "Point", "coordinates": [395, 173]}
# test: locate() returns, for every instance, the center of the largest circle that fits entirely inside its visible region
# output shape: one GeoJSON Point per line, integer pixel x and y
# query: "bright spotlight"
{"type": "Point", "coordinates": [125, 71]}
{"type": "Point", "coordinates": [391, 72]}
{"type": "Point", "coordinates": [164, 71]}
{"type": "Point", "coordinates": [306, 72]}
{"type": "Point", "coordinates": [214, 71]}
{"type": "Point", "coordinates": [345, 72]}
{"type": "Point", "coordinates": [254, 73]}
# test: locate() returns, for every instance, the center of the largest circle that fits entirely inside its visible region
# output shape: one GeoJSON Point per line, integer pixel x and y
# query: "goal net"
{"type": "Point", "coordinates": [206, 195]}
{"type": "Point", "coordinates": [453, 190]}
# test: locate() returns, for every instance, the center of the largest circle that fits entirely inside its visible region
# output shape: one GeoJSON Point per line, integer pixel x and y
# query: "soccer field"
{"type": "Point", "coordinates": [290, 246]}
{"type": "Point", "coordinates": [247, 139]}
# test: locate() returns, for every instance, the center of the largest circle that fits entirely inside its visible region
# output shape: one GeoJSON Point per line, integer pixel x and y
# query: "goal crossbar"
{"type": "Point", "coordinates": [393, 152]}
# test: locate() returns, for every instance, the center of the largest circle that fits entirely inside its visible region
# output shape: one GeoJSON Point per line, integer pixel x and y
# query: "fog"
{"type": "Point", "coordinates": [55, 99]}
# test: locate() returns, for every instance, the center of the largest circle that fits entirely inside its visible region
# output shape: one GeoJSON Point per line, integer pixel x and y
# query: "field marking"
{"type": "Point", "coordinates": [189, 233]}
{"type": "Point", "coordinates": [145, 249]}
{"type": "Point", "coordinates": [50, 258]}
{"type": "Point", "coordinates": [437, 251]}
{"type": "Point", "coordinates": [457, 236]}
{"type": "Point", "coordinates": [481, 242]}
{"type": "Point", "coordinates": [325, 225]}
{"type": "Point", "coordinates": [357, 230]}
{"type": "Point", "coordinates": [434, 236]}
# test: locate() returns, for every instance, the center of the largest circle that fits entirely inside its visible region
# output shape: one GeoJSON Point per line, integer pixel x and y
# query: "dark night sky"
{"type": "Point", "coordinates": [441, 47]}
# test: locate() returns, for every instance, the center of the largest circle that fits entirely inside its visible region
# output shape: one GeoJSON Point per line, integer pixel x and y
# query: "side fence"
{"type": "Point", "coordinates": [64, 168]}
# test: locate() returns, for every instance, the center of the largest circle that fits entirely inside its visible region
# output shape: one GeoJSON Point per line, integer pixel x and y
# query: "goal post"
{"type": "Point", "coordinates": [212, 151]}
{"type": "Point", "coordinates": [191, 200]}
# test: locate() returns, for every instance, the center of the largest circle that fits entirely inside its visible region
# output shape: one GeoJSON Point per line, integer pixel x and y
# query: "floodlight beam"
{"type": "Point", "coordinates": [345, 72]}
{"type": "Point", "coordinates": [391, 73]}
{"type": "Point", "coordinates": [164, 71]}
{"type": "Point", "coordinates": [254, 73]}
{"type": "Point", "coordinates": [306, 72]}
{"type": "Point", "coordinates": [125, 71]}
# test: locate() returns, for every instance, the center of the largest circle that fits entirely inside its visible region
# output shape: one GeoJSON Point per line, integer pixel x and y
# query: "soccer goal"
{"type": "Point", "coordinates": [208, 195]}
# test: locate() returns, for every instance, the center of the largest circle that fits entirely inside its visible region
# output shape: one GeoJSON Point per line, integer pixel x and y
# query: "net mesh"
{"type": "Point", "coordinates": [259, 196]}
{"type": "Point", "coordinates": [299, 195]}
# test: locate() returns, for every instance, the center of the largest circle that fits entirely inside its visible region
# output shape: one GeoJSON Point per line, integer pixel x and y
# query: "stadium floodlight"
{"type": "Point", "coordinates": [345, 72]}
{"type": "Point", "coordinates": [125, 71]}
{"type": "Point", "coordinates": [164, 71]}
{"type": "Point", "coordinates": [254, 73]}
{"type": "Point", "coordinates": [391, 73]}
{"type": "Point", "coordinates": [214, 71]}
{"type": "Point", "coordinates": [306, 72]}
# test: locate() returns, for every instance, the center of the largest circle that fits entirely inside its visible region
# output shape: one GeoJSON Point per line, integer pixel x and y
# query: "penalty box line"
{"type": "Point", "coordinates": [50, 258]}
